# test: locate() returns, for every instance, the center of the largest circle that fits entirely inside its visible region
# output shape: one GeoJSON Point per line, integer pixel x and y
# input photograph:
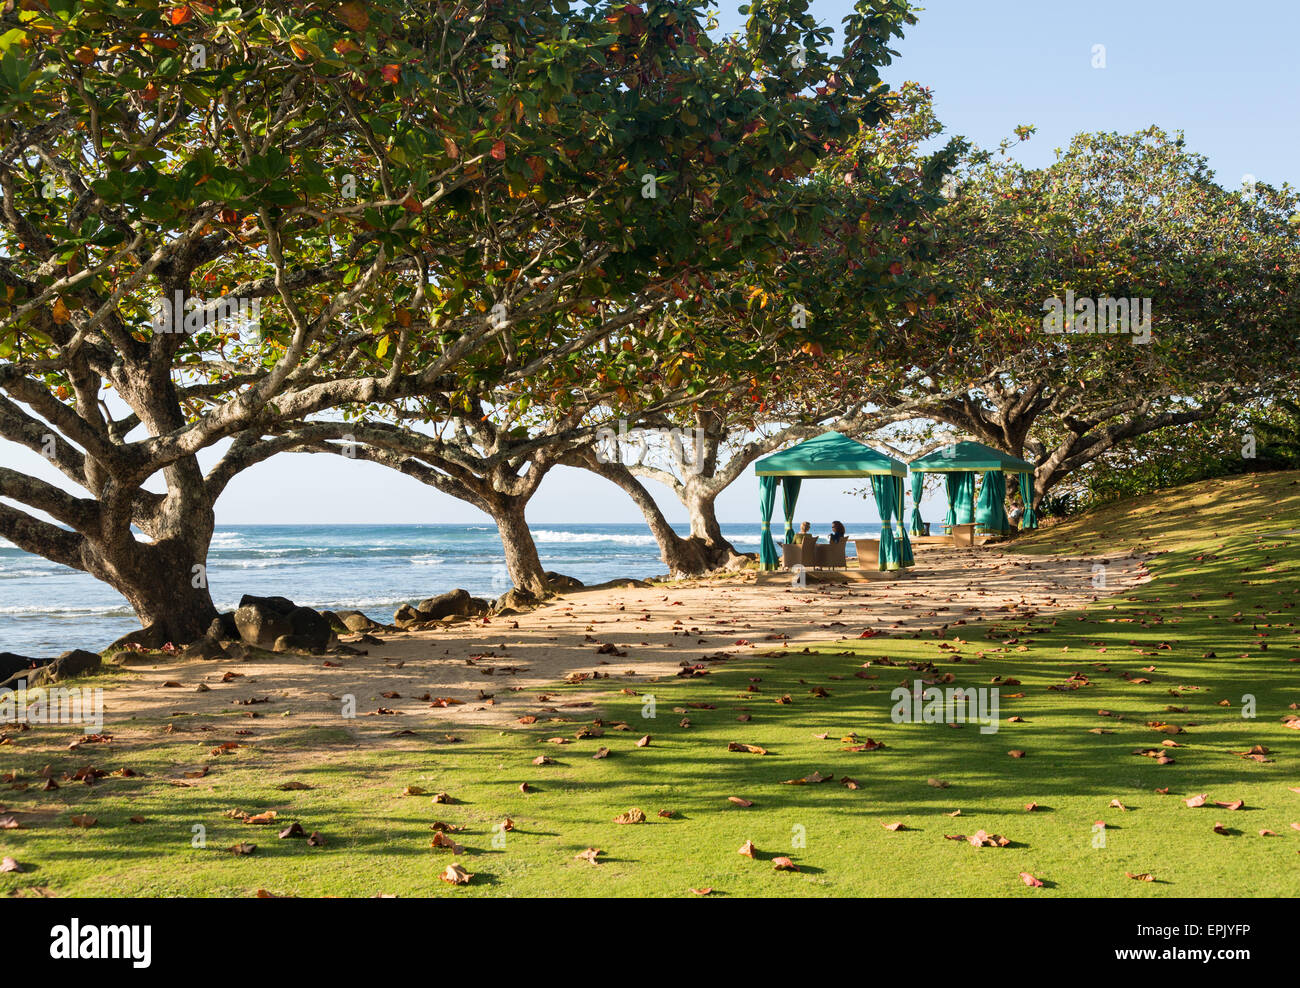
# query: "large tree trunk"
{"type": "Point", "coordinates": [692, 556]}
{"type": "Point", "coordinates": [700, 505]}
{"type": "Point", "coordinates": [522, 561]}
{"type": "Point", "coordinates": [169, 594]}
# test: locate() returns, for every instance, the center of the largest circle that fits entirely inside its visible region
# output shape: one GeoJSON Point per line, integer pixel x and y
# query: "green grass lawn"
{"type": "Point", "coordinates": [1217, 623]}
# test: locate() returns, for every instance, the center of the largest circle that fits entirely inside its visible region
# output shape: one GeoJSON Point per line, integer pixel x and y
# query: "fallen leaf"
{"type": "Point", "coordinates": [456, 875]}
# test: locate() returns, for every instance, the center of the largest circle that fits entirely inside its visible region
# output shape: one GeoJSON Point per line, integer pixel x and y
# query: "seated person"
{"type": "Point", "coordinates": [805, 532]}
{"type": "Point", "coordinates": [1015, 514]}
{"type": "Point", "coordinates": [837, 532]}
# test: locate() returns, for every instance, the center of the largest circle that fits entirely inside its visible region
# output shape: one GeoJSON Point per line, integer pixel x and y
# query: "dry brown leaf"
{"type": "Point", "coordinates": [456, 875]}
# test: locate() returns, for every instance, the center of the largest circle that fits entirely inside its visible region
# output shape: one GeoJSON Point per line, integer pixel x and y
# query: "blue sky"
{"type": "Point", "coordinates": [1225, 74]}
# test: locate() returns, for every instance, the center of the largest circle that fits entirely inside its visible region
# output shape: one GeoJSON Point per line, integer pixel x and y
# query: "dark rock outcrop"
{"type": "Point", "coordinates": [204, 648]}
{"type": "Point", "coordinates": [77, 662]}
{"type": "Point", "coordinates": [11, 663]}
{"type": "Point", "coordinates": [355, 621]}
{"type": "Point", "coordinates": [223, 628]}
{"type": "Point", "coordinates": [558, 581]}
{"type": "Point", "coordinates": [514, 600]}
{"type": "Point", "coordinates": [153, 637]}
{"type": "Point", "coordinates": [278, 623]}
{"type": "Point", "coordinates": [452, 604]}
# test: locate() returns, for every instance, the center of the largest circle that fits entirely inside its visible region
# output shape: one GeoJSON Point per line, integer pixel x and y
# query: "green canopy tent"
{"type": "Point", "coordinates": [959, 463]}
{"type": "Point", "coordinates": [831, 455]}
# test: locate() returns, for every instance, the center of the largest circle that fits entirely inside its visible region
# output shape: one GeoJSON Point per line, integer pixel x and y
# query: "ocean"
{"type": "Point", "coordinates": [46, 608]}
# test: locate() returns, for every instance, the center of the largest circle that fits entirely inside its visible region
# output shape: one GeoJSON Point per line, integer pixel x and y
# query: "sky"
{"type": "Point", "coordinates": [1225, 74]}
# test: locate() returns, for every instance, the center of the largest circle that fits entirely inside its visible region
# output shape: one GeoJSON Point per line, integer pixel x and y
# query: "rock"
{"type": "Point", "coordinates": [205, 648]}
{"type": "Point", "coordinates": [126, 657]}
{"type": "Point", "coordinates": [356, 621]}
{"type": "Point", "coordinates": [514, 600]}
{"type": "Point", "coordinates": [558, 581]}
{"type": "Point", "coordinates": [263, 621]}
{"type": "Point", "coordinates": [479, 606]}
{"type": "Point", "coordinates": [335, 622]}
{"type": "Point", "coordinates": [406, 616]}
{"type": "Point", "coordinates": [452, 602]}
{"type": "Point", "coordinates": [152, 637]}
{"type": "Point", "coordinates": [11, 663]}
{"type": "Point", "coordinates": [239, 652]}
{"type": "Point", "coordinates": [78, 662]}
{"type": "Point", "coordinates": [310, 629]}
{"type": "Point", "coordinates": [368, 640]}
{"type": "Point", "coordinates": [223, 628]}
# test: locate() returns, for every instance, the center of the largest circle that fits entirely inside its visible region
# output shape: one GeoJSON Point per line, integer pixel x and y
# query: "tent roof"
{"type": "Point", "coordinates": [831, 454]}
{"type": "Point", "coordinates": [969, 456]}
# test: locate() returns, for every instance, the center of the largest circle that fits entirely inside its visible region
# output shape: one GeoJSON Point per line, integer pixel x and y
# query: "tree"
{"type": "Point", "coordinates": [398, 186]}
{"type": "Point", "coordinates": [734, 127]}
{"type": "Point", "coordinates": [1116, 217]}
{"type": "Point", "coordinates": [824, 334]}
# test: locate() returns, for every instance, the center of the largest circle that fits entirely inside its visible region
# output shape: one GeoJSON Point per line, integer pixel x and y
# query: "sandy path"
{"type": "Point", "coordinates": [498, 667]}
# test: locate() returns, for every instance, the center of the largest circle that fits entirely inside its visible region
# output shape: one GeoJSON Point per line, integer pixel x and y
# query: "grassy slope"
{"type": "Point", "coordinates": [1225, 587]}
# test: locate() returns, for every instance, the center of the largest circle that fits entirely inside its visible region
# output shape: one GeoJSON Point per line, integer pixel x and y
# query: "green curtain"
{"type": "Point", "coordinates": [789, 497]}
{"type": "Point", "coordinates": [918, 488]}
{"type": "Point", "coordinates": [950, 488]}
{"type": "Point", "coordinates": [905, 557]}
{"type": "Point", "coordinates": [1030, 518]}
{"type": "Point", "coordinates": [991, 515]}
{"type": "Point", "coordinates": [964, 498]}
{"type": "Point", "coordinates": [767, 556]}
{"type": "Point", "coordinates": [882, 487]}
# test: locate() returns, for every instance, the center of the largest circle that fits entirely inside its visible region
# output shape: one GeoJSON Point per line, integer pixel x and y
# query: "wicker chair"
{"type": "Point", "coordinates": [831, 556]}
{"type": "Point", "coordinates": [868, 553]}
{"type": "Point", "coordinates": [791, 556]}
